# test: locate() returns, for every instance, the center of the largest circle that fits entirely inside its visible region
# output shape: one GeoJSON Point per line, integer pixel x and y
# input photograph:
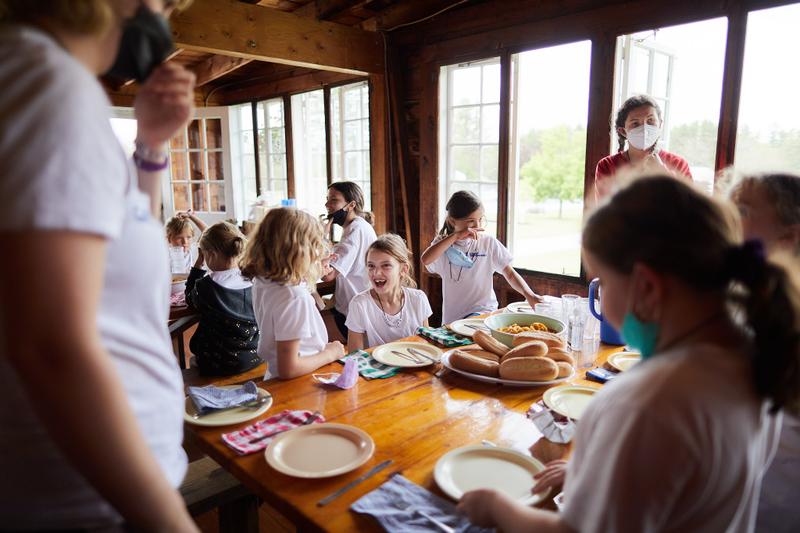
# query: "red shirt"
{"type": "Point", "coordinates": [609, 166]}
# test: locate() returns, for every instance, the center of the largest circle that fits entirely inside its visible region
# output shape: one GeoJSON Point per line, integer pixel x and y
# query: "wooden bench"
{"type": "Point", "coordinates": [208, 486]}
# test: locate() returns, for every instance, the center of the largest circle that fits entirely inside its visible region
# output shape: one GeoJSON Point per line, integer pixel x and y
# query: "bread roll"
{"type": "Point", "coordinates": [564, 369]}
{"type": "Point", "coordinates": [529, 369]}
{"type": "Point", "coordinates": [528, 349]}
{"type": "Point", "coordinates": [557, 354]}
{"type": "Point", "coordinates": [550, 339]}
{"type": "Point", "coordinates": [483, 354]}
{"type": "Point", "coordinates": [474, 364]}
{"type": "Point", "coordinates": [487, 342]}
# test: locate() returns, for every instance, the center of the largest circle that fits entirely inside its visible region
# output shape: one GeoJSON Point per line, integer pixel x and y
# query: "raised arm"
{"type": "Point", "coordinates": [435, 250]}
{"type": "Point", "coordinates": [57, 353]}
{"type": "Point", "coordinates": [163, 106]}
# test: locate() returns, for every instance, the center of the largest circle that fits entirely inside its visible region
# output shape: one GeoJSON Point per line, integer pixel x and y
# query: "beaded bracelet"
{"type": "Point", "coordinates": [150, 160]}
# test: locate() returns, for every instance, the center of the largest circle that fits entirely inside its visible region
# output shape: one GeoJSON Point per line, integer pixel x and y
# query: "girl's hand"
{"type": "Point", "coordinates": [479, 506]}
{"type": "Point", "coordinates": [547, 451]}
{"type": "Point", "coordinates": [534, 299]}
{"type": "Point", "coordinates": [164, 104]}
{"type": "Point", "coordinates": [551, 477]}
{"type": "Point", "coordinates": [200, 259]}
{"type": "Point", "coordinates": [469, 233]}
{"type": "Point", "coordinates": [336, 349]}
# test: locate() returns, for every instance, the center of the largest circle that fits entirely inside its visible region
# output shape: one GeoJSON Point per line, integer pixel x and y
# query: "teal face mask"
{"type": "Point", "coordinates": [642, 336]}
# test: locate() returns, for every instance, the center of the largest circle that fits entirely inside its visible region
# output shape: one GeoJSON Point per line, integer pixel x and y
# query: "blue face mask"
{"type": "Point", "coordinates": [458, 258]}
{"type": "Point", "coordinates": [642, 336]}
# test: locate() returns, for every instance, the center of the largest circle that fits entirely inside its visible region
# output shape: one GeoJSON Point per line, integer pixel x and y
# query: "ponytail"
{"type": "Point", "coordinates": [769, 296]}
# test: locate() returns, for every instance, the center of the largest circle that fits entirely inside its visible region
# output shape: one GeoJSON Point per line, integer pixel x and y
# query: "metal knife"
{"type": "Point", "coordinates": [375, 469]}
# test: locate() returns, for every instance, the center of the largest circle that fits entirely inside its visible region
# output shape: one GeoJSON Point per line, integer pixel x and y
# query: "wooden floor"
{"type": "Point", "coordinates": [269, 520]}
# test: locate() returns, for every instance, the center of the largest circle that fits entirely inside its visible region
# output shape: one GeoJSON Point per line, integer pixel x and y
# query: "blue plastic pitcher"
{"type": "Point", "coordinates": [608, 334]}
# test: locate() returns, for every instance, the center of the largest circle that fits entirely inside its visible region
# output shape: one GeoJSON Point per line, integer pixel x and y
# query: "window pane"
{"type": "Point", "coordinates": [489, 163]}
{"type": "Point", "coordinates": [768, 136]}
{"type": "Point", "coordinates": [179, 141]}
{"type": "Point", "coordinates": [246, 117]}
{"type": "Point", "coordinates": [247, 141]}
{"type": "Point", "coordinates": [277, 141]}
{"type": "Point", "coordinates": [690, 109]}
{"type": "Point", "coordinates": [466, 125]}
{"type": "Point", "coordinates": [491, 83]}
{"type": "Point", "coordinates": [365, 134]}
{"type": "Point", "coordinates": [217, 197]}
{"type": "Point", "coordinates": [195, 139]}
{"type": "Point", "coordinates": [215, 171]}
{"type": "Point", "coordinates": [546, 192]}
{"type": "Point", "coordinates": [180, 197]}
{"type": "Point", "coordinates": [199, 202]}
{"type": "Point", "coordinates": [352, 103]}
{"type": "Point", "coordinates": [466, 86]}
{"type": "Point", "coordinates": [352, 166]}
{"type": "Point", "coordinates": [352, 135]}
{"type": "Point", "coordinates": [249, 166]}
{"type": "Point", "coordinates": [278, 163]}
{"type": "Point", "coordinates": [213, 133]}
{"type": "Point", "coordinates": [275, 113]}
{"type": "Point", "coordinates": [196, 166]}
{"type": "Point", "coordinates": [308, 138]}
{"type": "Point", "coordinates": [490, 124]}
{"type": "Point", "coordinates": [178, 166]}
{"type": "Point", "coordinates": [465, 161]}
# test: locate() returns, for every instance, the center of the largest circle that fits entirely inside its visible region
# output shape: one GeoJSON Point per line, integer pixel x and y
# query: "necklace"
{"type": "Point", "coordinates": [392, 322]}
{"type": "Point", "coordinates": [461, 268]}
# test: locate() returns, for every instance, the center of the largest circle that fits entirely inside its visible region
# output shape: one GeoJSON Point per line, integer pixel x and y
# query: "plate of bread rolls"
{"type": "Point", "coordinates": [535, 358]}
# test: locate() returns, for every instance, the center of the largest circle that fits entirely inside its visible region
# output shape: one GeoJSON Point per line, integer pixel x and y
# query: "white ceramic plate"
{"type": "Point", "coordinates": [489, 379]}
{"type": "Point", "coordinates": [485, 467]}
{"type": "Point", "coordinates": [226, 417]}
{"type": "Point", "coordinates": [385, 354]}
{"type": "Point", "coordinates": [519, 307]}
{"type": "Point", "coordinates": [320, 450]}
{"type": "Point", "coordinates": [462, 327]}
{"type": "Point", "coordinates": [569, 400]}
{"type": "Point", "coordinates": [623, 361]}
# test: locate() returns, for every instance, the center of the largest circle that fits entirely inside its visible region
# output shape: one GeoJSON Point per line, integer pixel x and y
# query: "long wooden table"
{"type": "Point", "coordinates": [413, 417]}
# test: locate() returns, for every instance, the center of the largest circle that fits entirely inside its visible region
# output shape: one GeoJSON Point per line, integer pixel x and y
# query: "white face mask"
{"type": "Point", "coordinates": [644, 136]}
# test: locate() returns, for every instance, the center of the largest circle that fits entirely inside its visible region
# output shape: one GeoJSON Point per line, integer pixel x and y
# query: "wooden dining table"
{"type": "Point", "coordinates": [414, 418]}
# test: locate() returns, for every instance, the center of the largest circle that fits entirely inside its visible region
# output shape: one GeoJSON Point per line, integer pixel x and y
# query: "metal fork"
{"type": "Point", "coordinates": [407, 357]}
{"type": "Point", "coordinates": [439, 524]}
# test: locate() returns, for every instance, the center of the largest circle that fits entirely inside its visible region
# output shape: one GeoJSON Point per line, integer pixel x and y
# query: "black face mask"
{"type": "Point", "coordinates": [146, 43]}
{"type": "Point", "coordinates": [339, 216]}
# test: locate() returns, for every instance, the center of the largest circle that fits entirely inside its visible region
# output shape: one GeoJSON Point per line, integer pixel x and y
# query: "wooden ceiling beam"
{"type": "Point", "coordinates": [229, 27]}
{"type": "Point", "coordinates": [268, 89]}
{"type": "Point", "coordinates": [217, 66]}
{"type": "Point", "coordinates": [404, 13]}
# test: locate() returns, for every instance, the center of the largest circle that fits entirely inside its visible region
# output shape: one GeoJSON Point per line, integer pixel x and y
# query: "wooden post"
{"type": "Point", "coordinates": [731, 89]}
{"type": "Point", "coordinates": [503, 147]}
{"type": "Point", "coordinates": [287, 130]}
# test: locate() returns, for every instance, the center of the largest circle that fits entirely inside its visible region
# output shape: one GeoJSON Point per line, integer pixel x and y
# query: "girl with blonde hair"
{"type": "Point", "coordinates": [392, 308]}
{"type": "Point", "coordinates": [226, 339]}
{"type": "Point", "coordinates": [284, 260]}
{"type": "Point", "coordinates": [91, 422]}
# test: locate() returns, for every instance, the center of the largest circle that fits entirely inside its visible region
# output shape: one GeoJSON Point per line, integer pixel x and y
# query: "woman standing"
{"type": "Point", "coordinates": [638, 122]}
{"type": "Point", "coordinates": [91, 417]}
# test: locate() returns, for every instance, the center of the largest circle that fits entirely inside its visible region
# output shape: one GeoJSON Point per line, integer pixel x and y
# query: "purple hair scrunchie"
{"type": "Point", "coordinates": [746, 262]}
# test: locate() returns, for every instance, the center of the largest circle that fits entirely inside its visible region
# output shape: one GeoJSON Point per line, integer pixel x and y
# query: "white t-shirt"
{"type": "Point", "coordinates": [286, 313]}
{"type": "Point", "coordinates": [470, 290]}
{"type": "Point", "coordinates": [364, 316]}
{"type": "Point", "coordinates": [181, 261]}
{"type": "Point", "coordinates": [230, 279]}
{"type": "Point", "coordinates": [778, 509]}
{"type": "Point", "coordinates": [63, 169]}
{"type": "Point", "coordinates": [678, 443]}
{"type": "Point", "coordinates": [351, 263]}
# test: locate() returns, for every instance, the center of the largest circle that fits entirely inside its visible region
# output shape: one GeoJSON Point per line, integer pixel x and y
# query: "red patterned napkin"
{"type": "Point", "coordinates": [265, 430]}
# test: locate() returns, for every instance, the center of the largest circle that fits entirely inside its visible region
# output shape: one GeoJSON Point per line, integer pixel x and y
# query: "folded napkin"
{"type": "Point", "coordinates": [444, 336]}
{"type": "Point", "coordinates": [211, 397]}
{"type": "Point", "coordinates": [394, 505]}
{"type": "Point", "coordinates": [554, 427]}
{"type": "Point", "coordinates": [177, 299]}
{"type": "Point", "coordinates": [368, 367]}
{"type": "Point", "coordinates": [346, 380]}
{"type": "Point", "coordinates": [240, 440]}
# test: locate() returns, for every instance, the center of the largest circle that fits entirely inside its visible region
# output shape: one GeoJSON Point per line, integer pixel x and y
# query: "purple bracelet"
{"type": "Point", "coordinates": [150, 166]}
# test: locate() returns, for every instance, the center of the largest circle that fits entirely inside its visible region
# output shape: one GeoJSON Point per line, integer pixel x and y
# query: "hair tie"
{"type": "Point", "coordinates": [746, 262]}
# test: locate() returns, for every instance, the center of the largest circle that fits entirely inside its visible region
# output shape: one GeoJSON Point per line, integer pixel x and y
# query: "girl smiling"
{"type": "Point", "coordinates": [392, 308]}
